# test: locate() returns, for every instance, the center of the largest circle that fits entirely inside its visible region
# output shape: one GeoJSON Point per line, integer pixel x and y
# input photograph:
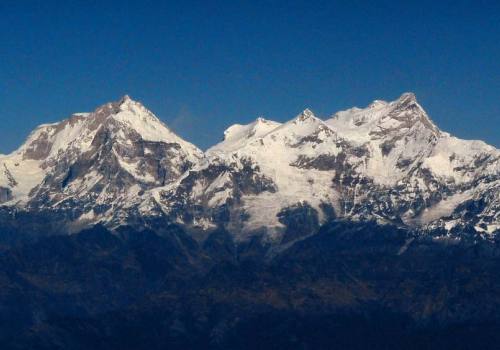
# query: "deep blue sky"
{"type": "Point", "coordinates": [201, 66]}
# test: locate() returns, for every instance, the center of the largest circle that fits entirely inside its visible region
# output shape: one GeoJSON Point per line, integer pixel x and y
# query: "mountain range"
{"type": "Point", "coordinates": [369, 229]}
{"type": "Point", "coordinates": [388, 163]}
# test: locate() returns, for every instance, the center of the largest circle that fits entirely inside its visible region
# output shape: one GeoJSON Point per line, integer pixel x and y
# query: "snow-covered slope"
{"type": "Point", "coordinates": [274, 155]}
{"type": "Point", "coordinates": [237, 135]}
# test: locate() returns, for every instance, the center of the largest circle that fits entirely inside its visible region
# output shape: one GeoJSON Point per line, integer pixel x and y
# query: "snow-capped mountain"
{"type": "Point", "coordinates": [257, 176]}
{"type": "Point", "coordinates": [387, 162]}
{"type": "Point", "coordinates": [416, 172]}
{"type": "Point", "coordinates": [91, 164]}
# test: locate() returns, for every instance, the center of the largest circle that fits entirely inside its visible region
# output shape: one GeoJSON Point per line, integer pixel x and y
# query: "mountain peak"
{"type": "Point", "coordinates": [378, 104]}
{"type": "Point", "coordinates": [305, 115]}
{"type": "Point", "coordinates": [261, 119]}
{"type": "Point", "coordinates": [394, 120]}
{"type": "Point", "coordinates": [125, 98]}
{"type": "Point", "coordinates": [127, 103]}
{"type": "Point", "coordinates": [237, 135]}
{"type": "Point", "coordinates": [407, 107]}
{"type": "Point", "coordinates": [307, 112]}
{"type": "Point", "coordinates": [407, 97]}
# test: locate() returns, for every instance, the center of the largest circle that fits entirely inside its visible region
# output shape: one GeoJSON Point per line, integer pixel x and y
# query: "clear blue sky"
{"type": "Point", "coordinates": [201, 66]}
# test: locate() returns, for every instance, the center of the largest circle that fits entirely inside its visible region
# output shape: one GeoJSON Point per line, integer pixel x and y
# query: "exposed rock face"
{"type": "Point", "coordinates": [300, 221]}
{"type": "Point", "coordinates": [387, 163]}
{"type": "Point", "coordinates": [5, 194]}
